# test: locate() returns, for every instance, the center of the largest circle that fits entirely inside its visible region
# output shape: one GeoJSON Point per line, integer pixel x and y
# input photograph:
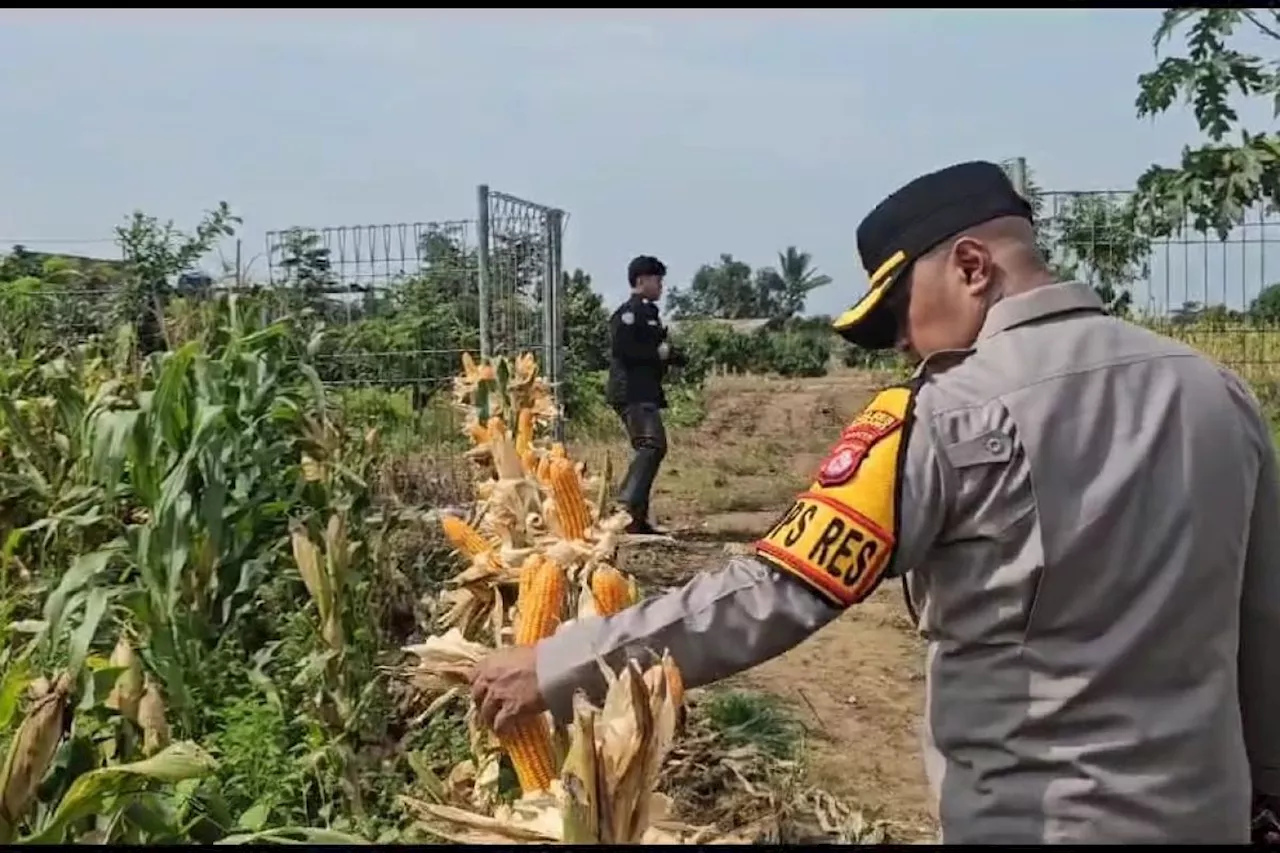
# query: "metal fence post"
{"type": "Point", "coordinates": [550, 341]}
{"type": "Point", "coordinates": [482, 266]}
{"type": "Point", "coordinates": [1017, 170]}
{"type": "Point", "coordinates": [555, 232]}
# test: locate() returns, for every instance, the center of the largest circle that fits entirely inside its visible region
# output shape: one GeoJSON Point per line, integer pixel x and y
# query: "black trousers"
{"type": "Point", "coordinates": [649, 441]}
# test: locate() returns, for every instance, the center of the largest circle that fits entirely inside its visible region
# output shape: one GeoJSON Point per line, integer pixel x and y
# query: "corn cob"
{"type": "Point", "coordinates": [497, 427]}
{"type": "Point", "coordinates": [478, 434]}
{"type": "Point", "coordinates": [544, 470]}
{"type": "Point", "coordinates": [528, 744]}
{"type": "Point", "coordinates": [541, 602]}
{"type": "Point", "coordinates": [557, 451]}
{"type": "Point", "coordinates": [528, 741]}
{"type": "Point", "coordinates": [486, 372]}
{"type": "Point", "coordinates": [524, 430]}
{"type": "Point", "coordinates": [529, 461]}
{"type": "Point", "coordinates": [527, 570]}
{"type": "Point", "coordinates": [610, 590]}
{"type": "Point", "coordinates": [571, 507]}
{"type": "Point", "coordinates": [463, 536]}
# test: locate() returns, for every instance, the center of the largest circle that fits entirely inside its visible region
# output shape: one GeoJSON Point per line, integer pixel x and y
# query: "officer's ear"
{"type": "Point", "coordinates": [972, 259]}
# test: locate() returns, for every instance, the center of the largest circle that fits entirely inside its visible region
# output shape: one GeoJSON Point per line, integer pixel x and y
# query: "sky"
{"type": "Point", "coordinates": [685, 134]}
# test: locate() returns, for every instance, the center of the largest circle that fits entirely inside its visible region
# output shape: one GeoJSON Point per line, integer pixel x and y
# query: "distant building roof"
{"type": "Point", "coordinates": [78, 260]}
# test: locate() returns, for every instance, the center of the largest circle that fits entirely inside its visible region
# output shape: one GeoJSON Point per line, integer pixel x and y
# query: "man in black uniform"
{"type": "Point", "coordinates": [639, 355]}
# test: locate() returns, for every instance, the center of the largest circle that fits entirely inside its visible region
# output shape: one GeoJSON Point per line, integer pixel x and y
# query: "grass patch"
{"type": "Point", "coordinates": [754, 719]}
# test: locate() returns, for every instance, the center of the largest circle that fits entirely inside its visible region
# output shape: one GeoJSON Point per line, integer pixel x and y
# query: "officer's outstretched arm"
{"type": "Point", "coordinates": [874, 511]}
{"type": "Point", "coordinates": [1260, 613]}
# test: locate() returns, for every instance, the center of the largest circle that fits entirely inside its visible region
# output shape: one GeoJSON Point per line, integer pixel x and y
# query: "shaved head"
{"type": "Point", "coordinates": [954, 285]}
{"type": "Point", "coordinates": [1011, 240]}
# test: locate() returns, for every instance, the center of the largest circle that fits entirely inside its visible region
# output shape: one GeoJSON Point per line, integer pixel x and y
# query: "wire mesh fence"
{"type": "Point", "coordinates": [407, 299]}
{"type": "Point", "coordinates": [1217, 292]}
{"type": "Point", "coordinates": [410, 297]}
{"type": "Point", "coordinates": [401, 301]}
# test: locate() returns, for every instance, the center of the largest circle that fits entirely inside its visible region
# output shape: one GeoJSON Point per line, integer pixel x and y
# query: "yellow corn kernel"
{"type": "Point", "coordinates": [540, 603]}
{"type": "Point", "coordinates": [463, 536]}
{"type": "Point", "coordinates": [610, 590]}
{"type": "Point", "coordinates": [524, 430]}
{"type": "Point", "coordinates": [527, 570]}
{"type": "Point", "coordinates": [529, 461]}
{"type": "Point", "coordinates": [497, 427]}
{"type": "Point", "coordinates": [528, 745]}
{"type": "Point", "coordinates": [544, 470]}
{"type": "Point", "coordinates": [571, 507]}
{"type": "Point", "coordinates": [557, 451]}
{"type": "Point", "coordinates": [478, 434]}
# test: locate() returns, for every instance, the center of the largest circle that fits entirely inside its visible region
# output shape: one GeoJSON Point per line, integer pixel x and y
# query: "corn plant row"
{"type": "Point", "coordinates": [143, 505]}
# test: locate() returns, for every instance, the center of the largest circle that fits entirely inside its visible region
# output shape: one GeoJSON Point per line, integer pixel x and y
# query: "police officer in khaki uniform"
{"type": "Point", "coordinates": [1084, 512]}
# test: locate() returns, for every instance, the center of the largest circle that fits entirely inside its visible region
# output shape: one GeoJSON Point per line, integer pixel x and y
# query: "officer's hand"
{"type": "Point", "coordinates": [505, 686]}
{"type": "Point", "coordinates": [664, 350]}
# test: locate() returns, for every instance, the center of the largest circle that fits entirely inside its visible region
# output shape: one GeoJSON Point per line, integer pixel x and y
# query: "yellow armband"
{"type": "Point", "coordinates": [839, 536]}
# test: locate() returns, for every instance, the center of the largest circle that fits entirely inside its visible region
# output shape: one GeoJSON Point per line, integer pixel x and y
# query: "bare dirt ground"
{"type": "Point", "coordinates": [857, 685]}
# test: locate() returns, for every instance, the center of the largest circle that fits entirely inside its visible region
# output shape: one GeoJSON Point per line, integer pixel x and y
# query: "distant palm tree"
{"type": "Point", "coordinates": [796, 278]}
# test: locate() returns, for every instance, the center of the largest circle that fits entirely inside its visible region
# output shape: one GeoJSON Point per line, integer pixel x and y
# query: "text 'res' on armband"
{"type": "Point", "coordinates": [839, 536]}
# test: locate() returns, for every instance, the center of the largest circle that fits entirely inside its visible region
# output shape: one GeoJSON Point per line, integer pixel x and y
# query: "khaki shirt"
{"type": "Point", "coordinates": [1087, 523]}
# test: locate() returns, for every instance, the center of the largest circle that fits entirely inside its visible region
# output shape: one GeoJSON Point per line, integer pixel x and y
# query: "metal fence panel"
{"type": "Point", "coordinates": [1171, 279]}
{"type": "Point", "coordinates": [407, 299]}
{"type": "Point", "coordinates": [1218, 293]}
{"type": "Point", "coordinates": [498, 274]}
{"type": "Point", "coordinates": [521, 281]}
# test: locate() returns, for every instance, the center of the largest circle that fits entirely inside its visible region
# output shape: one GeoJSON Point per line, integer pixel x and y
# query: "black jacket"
{"type": "Point", "coordinates": [635, 369]}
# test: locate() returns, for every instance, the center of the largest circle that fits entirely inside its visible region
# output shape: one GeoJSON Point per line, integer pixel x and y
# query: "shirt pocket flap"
{"type": "Point", "coordinates": [990, 447]}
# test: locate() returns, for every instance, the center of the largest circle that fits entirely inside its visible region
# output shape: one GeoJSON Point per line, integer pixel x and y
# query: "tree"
{"type": "Point", "coordinates": [20, 263]}
{"type": "Point", "coordinates": [1098, 241]}
{"type": "Point", "coordinates": [794, 279]}
{"type": "Point", "coordinates": [731, 291]}
{"type": "Point", "coordinates": [1217, 181]}
{"type": "Point", "coordinates": [725, 291]}
{"type": "Point", "coordinates": [1266, 305]}
{"type": "Point", "coordinates": [155, 252]}
{"type": "Point", "coordinates": [1093, 237]}
{"type": "Point", "coordinates": [586, 324]}
{"type": "Point", "coordinates": [304, 262]}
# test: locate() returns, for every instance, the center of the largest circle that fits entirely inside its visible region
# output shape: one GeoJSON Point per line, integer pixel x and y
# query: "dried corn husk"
{"type": "Point", "coordinates": [127, 691]}
{"type": "Point", "coordinates": [444, 661]}
{"type": "Point", "coordinates": [32, 749]}
{"type": "Point", "coordinates": [152, 719]}
{"type": "Point", "coordinates": [605, 791]}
